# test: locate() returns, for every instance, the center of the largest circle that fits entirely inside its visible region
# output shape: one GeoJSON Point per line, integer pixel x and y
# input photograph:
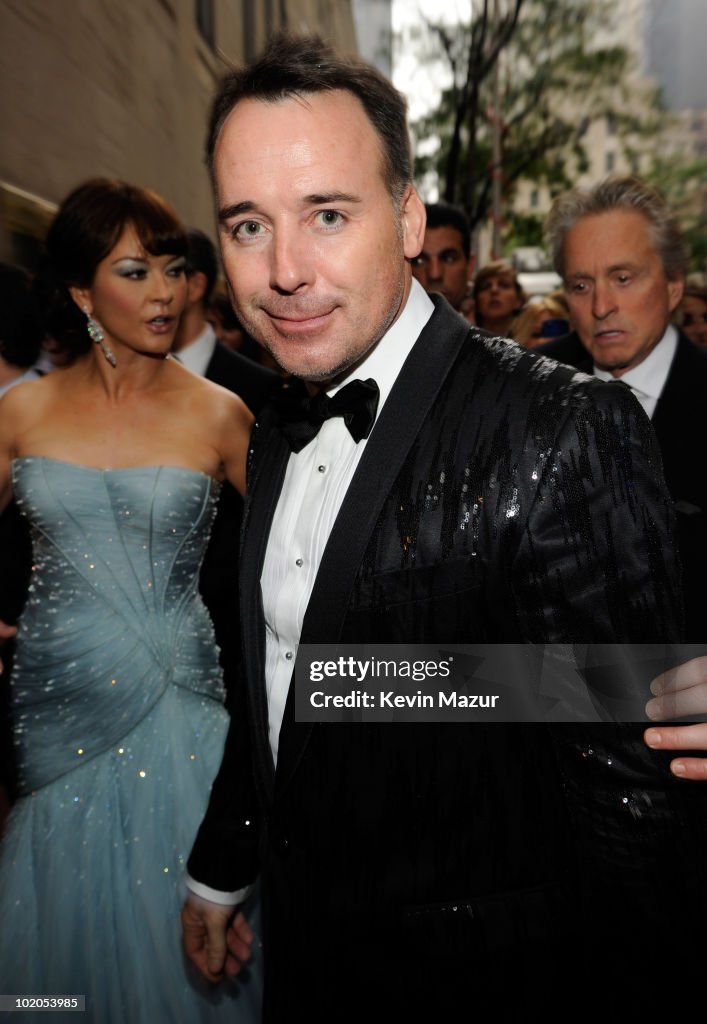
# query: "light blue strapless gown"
{"type": "Point", "coordinates": [120, 725]}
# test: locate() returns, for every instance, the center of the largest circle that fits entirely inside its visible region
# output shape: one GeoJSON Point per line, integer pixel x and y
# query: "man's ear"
{"type": "Point", "coordinates": [196, 287]}
{"type": "Point", "coordinates": [413, 217]}
{"type": "Point", "coordinates": [82, 298]}
{"type": "Point", "coordinates": [675, 290]}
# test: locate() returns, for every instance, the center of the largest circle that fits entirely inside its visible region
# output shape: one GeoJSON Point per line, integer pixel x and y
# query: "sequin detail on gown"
{"type": "Point", "coordinates": [120, 725]}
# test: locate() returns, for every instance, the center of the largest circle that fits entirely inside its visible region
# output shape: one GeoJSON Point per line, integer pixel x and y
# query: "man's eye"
{"type": "Point", "coordinates": [451, 257]}
{"type": "Point", "coordinates": [329, 218]}
{"type": "Point", "coordinates": [419, 261]}
{"type": "Point", "coordinates": [247, 229]}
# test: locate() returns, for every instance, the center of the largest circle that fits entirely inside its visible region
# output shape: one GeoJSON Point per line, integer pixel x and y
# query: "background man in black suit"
{"type": "Point", "coordinates": [195, 343]}
{"type": "Point", "coordinates": [499, 498]}
{"type": "Point", "coordinates": [623, 261]}
{"type": "Point", "coordinates": [196, 346]}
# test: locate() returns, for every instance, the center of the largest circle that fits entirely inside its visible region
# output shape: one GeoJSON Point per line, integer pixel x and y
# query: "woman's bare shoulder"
{"type": "Point", "coordinates": [221, 401]}
{"type": "Point", "coordinates": [25, 395]}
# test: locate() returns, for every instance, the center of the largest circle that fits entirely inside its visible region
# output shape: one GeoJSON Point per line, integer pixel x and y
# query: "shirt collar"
{"type": "Point", "coordinates": [385, 360]}
{"type": "Point", "coordinates": [649, 377]}
{"type": "Point", "coordinates": [196, 356]}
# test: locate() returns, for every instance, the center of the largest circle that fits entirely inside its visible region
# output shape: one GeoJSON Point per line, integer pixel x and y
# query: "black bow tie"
{"type": "Point", "coordinates": [301, 414]}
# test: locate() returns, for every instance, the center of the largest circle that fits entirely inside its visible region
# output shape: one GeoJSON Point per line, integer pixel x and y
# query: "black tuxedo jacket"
{"type": "Point", "coordinates": [501, 498]}
{"type": "Point", "coordinates": [254, 384]}
{"type": "Point", "coordinates": [679, 425]}
{"type": "Point", "coordinates": [251, 381]}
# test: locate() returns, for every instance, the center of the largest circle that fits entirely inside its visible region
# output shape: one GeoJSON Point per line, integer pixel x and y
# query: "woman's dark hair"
{"type": "Point", "coordinates": [87, 226]}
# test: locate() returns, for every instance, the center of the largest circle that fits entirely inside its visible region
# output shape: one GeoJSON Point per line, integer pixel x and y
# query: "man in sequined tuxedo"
{"type": "Point", "coordinates": [499, 497]}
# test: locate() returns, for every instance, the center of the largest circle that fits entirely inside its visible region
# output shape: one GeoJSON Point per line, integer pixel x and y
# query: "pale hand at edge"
{"type": "Point", "coordinates": [677, 693]}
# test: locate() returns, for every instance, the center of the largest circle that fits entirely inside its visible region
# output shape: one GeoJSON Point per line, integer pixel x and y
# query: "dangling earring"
{"type": "Point", "coordinates": [95, 332]}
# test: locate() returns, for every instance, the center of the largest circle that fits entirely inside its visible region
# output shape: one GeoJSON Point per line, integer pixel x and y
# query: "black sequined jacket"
{"type": "Point", "coordinates": [501, 497]}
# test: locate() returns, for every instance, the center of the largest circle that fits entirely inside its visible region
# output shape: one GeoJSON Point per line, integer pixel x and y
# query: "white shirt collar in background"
{"type": "Point", "coordinates": [196, 356]}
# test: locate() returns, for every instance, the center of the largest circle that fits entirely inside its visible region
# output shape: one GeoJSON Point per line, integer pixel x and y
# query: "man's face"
{"type": "Point", "coordinates": [442, 265]}
{"type": "Point", "coordinates": [620, 299]}
{"type": "Point", "coordinates": [313, 246]}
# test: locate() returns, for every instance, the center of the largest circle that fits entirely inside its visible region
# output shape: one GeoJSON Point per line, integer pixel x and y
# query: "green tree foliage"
{"type": "Point", "coordinates": [552, 69]}
{"type": "Point", "coordinates": [684, 183]}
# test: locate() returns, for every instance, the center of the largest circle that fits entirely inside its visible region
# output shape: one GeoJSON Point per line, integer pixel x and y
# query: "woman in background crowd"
{"type": "Point", "coordinates": [498, 297]}
{"type": "Point", "coordinates": [691, 314]}
{"type": "Point", "coordinates": [540, 319]}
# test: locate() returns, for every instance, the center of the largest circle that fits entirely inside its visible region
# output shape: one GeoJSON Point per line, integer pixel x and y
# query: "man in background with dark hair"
{"type": "Point", "coordinates": [445, 264]}
{"type": "Point", "coordinates": [196, 346]}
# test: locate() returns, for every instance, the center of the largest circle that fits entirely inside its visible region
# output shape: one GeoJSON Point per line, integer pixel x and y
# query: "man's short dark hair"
{"type": "Point", "coordinates": [202, 257]}
{"type": "Point", "coordinates": [442, 215]}
{"type": "Point", "coordinates": [297, 66]}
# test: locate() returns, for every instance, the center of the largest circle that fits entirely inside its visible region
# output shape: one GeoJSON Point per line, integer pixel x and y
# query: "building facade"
{"type": "Point", "coordinates": [91, 87]}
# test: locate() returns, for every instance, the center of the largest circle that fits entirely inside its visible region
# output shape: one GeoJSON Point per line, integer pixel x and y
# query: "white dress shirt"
{"type": "Point", "coordinates": [647, 380]}
{"type": "Point", "coordinates": [314, 488]}
{"type": "Point", "coordinates": [315, 484]}
{"type": "Point", "coordinates": [196, 356]}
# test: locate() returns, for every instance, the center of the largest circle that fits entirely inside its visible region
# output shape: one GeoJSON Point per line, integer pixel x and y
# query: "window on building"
{"type": "Point", "coordinates": [534, 199]}
{"type": "Point", "coordinates": [610, 124]}
{"type": "Point", "coordinates": [205, 21]}
{"type": "Point", "coordinates": [610, 162]}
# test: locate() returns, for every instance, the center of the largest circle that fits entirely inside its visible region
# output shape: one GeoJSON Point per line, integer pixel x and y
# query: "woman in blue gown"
{"type": "Point", "coordinates": [116, 461]}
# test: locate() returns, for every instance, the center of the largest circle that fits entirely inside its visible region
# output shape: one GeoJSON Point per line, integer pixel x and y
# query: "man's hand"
{"type": "Point", "coordinates": [5, 633]}
{"type": "Point", "coordinates": [679, 692]}
{"type": "Point", "coordinates": [214, 939]}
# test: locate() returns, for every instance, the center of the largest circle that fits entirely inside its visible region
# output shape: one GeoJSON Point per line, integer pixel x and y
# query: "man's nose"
{"type": "Point", "coordinates": [434, 269]}
{"type": "Point", "coordinates": [291, 264]}
{"type": "Point", "coordinates": [603, 300]}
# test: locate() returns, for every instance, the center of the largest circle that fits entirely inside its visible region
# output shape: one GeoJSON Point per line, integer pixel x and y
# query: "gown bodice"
{"type": "Point", "coordinates": [113, 614]}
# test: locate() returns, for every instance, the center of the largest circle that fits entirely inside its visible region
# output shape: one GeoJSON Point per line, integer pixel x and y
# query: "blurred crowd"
{"type": "Point", "coordinates": [493, 297]}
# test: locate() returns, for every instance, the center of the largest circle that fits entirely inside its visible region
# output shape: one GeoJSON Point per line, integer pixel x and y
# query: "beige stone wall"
{"type": "Point", "coordinates": [93, 87]}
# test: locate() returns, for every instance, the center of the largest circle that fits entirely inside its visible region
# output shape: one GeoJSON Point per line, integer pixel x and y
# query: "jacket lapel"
{"type": "Point", "coordinates": [399, 423]}
{"type": "Point", "coordinates": [260, 502]}
{"type": "Point", "coordinates": [667, 416]}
